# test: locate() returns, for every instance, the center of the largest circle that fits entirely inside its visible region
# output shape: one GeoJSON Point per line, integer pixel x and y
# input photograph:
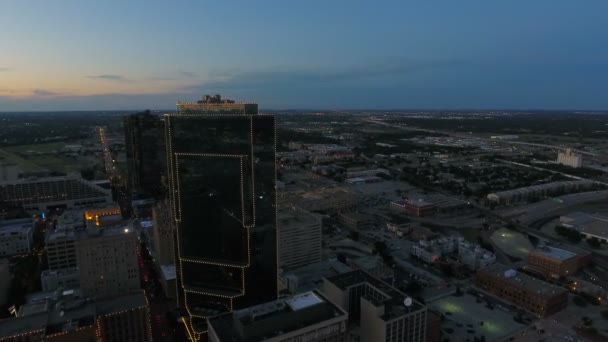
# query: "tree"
{"type": "Point", "coordinates": [594, 242]}
{"type": "Point", "coordinates": [380, 247]}
{"type": "Point", "coordinates": [579, 301]}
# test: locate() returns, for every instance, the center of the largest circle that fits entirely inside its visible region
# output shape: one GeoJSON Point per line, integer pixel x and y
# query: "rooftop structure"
{"type": "Point", "coordinates": [216, 105]}
{"type": "Point", "coordinates": [80, 319]}
{"type": "Point", "coordinates": [16, 237]}
{"type": "Point", "coordinates": [309, 277]}
{"type": "Point", "coordinates": [329, 199]}
{"type": "Point", "coordinates": [382, 311]}
{"type": "Point", "coordinates": [43, 193]}
{"type": "Point", "coordinates": [287, 319]}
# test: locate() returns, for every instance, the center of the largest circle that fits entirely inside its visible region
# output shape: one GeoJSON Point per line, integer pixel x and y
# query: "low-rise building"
{"type": "Point", "coordinates": [418, 208]}
{"type": "Point", "coordinates": [426, 252]}
{"type": "Point", "coordinates": [430, 251]}
{"type": "Point", "coordinates": [534, 295]}
{"type": "Point", "coordinates": [539, 191]}
{"type": "Point", "coordinates": [360, 172]}
{"type": "Point", "coordinates": [473, 256]}
{"type": "Point", "coordinates": [554, 262]}
{"type": "Point", "coordinates": [16, 237]}
{"type": "Point", "coordinates": [363, 180]}
{"type": "Point", "coordinates": [355, 221]}
{"type": "Point", "coordinates": [590, 225]}
{"type": "Point", "coordinates": [308, 316]}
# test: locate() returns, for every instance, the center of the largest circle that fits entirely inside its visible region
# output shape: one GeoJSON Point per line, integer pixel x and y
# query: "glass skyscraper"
{"type": "Point", "coordinates": [221, 163]}
{"type": "Point", "coordinates": [145, 153]}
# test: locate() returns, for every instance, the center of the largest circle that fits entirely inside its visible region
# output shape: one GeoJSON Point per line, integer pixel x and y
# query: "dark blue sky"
{"type": "Point", "coordinates": [78, 55]}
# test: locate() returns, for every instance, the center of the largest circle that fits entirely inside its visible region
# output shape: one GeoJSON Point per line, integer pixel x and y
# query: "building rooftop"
{"type": "Point", "coordinates": [268, 320]}
{"type": "Point", "coordinates": [168, 271]}
{"type": "Point", "coordinates": [63, 313]}
{"type": "Point", "coordinates": [391, 298]}
{"type": "Point", "coordinates": [367, 262]}
{"type": "Point", "coordinates": [121, 228]}
{"type": "Point", "coordinates": [51, 189]}
{"type": "Point", "coordinates": [15, 227]}
{"type": "Point", "coordinates": [290, 215]}
{"type": "Point", "coordinates": [521, 280]}
{"type": "Point", "coordinates": [542, 187]}
{"type": "Point", "coordinates": [592, 224]}
{"type": "Point", "coordinates": [554, 253]}
{"type": "Point", "coordinates": [309, 277]}
{"type": "Point", "coordinates": [418, 203]}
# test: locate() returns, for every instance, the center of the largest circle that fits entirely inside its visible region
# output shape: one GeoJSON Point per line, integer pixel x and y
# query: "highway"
{"type": "Point", "coordinates": [470, 136]}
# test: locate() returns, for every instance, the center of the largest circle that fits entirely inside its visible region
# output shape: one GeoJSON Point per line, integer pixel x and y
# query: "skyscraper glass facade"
{"type": "Point", "coordinates": [222, 188]}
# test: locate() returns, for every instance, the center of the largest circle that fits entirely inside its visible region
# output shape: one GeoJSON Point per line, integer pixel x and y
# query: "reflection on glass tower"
{"type": "Point", "coordinates": [221, 162]}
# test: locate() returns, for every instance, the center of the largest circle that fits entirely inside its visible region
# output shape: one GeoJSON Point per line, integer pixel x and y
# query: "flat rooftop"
{"type": "Point", "coordinates": [45, 316]}
{"type": "Point", "coordinates": [554, 253]}
{"type": "Point", "coordinates": [521, 280]}
{"type": "Point", "coordinates": [168, 271]}
{"type": "Point", "coordinates": [15, 227]}
{"type": "Point", "coordinates": [275, 318]}
{"type": "Point", "coordinates": [392, 299]}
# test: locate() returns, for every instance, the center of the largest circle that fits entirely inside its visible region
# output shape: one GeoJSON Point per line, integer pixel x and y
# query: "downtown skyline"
{"type": "Point", "coordinates": [69, 55]}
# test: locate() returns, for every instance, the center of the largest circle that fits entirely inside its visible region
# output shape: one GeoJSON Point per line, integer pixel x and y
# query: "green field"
{"type": "Point", "coordinates": [42, 156]}
{"type": "Point", "coordinates": [38, 148]}
{"type": "Point", "coordinates": [24, 165]}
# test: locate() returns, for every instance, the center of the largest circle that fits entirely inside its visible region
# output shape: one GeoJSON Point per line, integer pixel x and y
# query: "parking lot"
{"type": "Point", "coordinates": [466, 317]}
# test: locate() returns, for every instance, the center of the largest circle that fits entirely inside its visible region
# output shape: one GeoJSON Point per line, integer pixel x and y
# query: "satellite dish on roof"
{"type": "Point", "coordinates": [407, 302]}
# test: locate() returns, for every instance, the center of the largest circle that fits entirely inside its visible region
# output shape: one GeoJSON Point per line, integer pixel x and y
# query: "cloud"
{"type": "Point", "coordinates": [44, 92]}
{"type": "Point", "coordinates": [3, 69]}
{"type": "Point", "coordinates": [178, 76]}
{"type": "Point", "coordinates": [160, 78]}
{"type": "Point", "coordinates": [188, 74]}
{"type": "Point", "coordinates": [108, 77]}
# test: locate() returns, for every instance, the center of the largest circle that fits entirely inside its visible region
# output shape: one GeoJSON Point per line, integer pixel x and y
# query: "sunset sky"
{"type": "Point", "coordinates": [338, 54]}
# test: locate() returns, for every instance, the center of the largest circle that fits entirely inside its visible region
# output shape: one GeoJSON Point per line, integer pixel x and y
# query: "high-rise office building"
{"type": "Point", "coordinates": [145, 153]}
{"type": "Point", "coordinates": [300, 242]}
{"type": "Point", "coordinates": [107, 261]}
{"type": "Point", "coordinates": [221, 162]}
{"type": "Point", "coordinates": [382, 312]}
{"type": "Point", "coordinates": [304, 317]}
